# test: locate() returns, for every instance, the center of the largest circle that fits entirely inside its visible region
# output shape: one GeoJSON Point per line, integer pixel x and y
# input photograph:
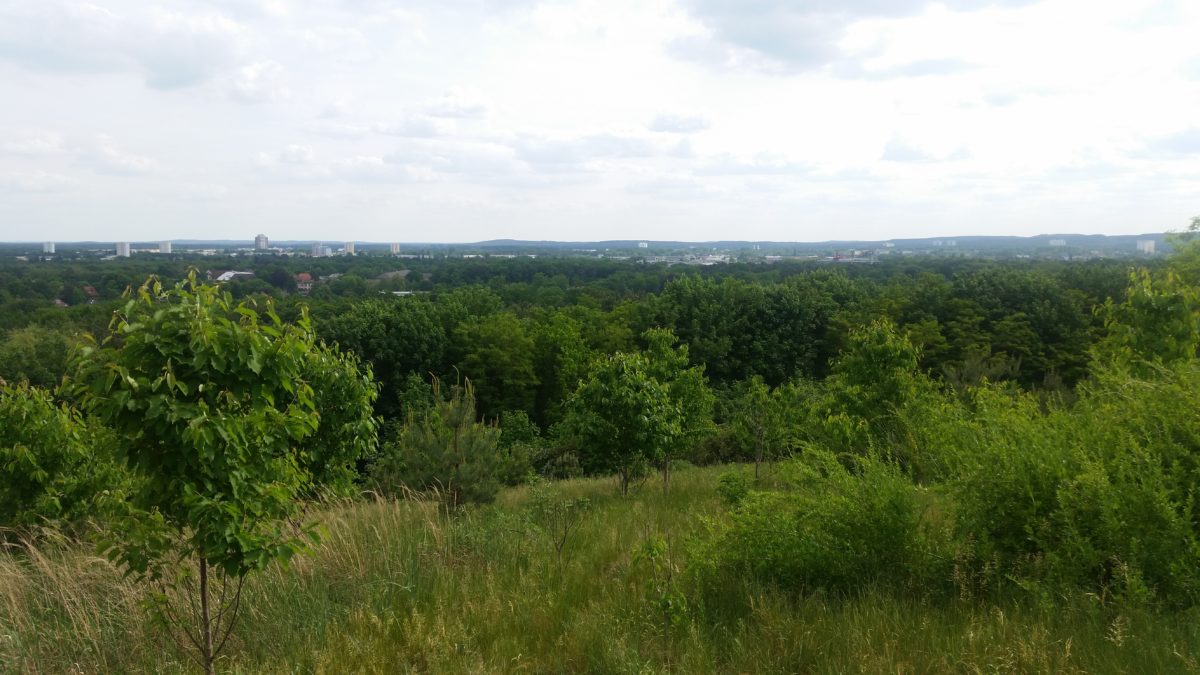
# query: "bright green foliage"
{"type": "Point", "coordinates": [760, 420]}
{"type": "Point", "coordinates": [836, 528]}
{"type": "Point", "coordinates": [874, 377]}
{"type": "Point", "coordinates": [875, 372]}
{"type": "Point", "coordinates": [344, 394]}
{"type": "Point", "coordinates": [517, 429]}
{"type": "Point", "coordinates": [1012, 462]}
{"type": "Point", "coordinates": [1099, 496]}
{"type": "Point", "coordinates": [446, 450]}
{"type": "Point", "coordinates": [1185, 261]}
{"type": "Point", "coordinates": [624, 419]}
{"type": "Point", "coordinates": [212, 403]}
{"type": "Point", "coordinates": [54, 469]}
{"type": "Point", "coordinates": [687, 389]}
{"type": "Point", "coordinates": [1158, 322]}
{"type": "Point", "coordinates": [734, 486]}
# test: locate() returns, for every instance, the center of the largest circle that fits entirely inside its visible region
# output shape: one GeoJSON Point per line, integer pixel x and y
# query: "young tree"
{"type": "Point", "coordinates": [446, 449]}
{"type": "Point", "coordinates": [213, 402]}
{"type": "Point", "coordinates": [760, 421]}
{"type": "Point", "coordinates": [688, 390]}
{"type": "Point", "coordinates": [623, 418]}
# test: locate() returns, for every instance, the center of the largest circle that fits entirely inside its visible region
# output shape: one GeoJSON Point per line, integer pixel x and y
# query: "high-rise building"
{"type": "Point", "coordinates": [48, 247]}
{"type": "Point", "coordinates": [395, 248]}
{"type": "Point", "coordinates": [261, 243]}
{"type": "Point", "coordinates": [122, 249]}
{"type": "Point", "coordinates": [1143, 246]}
{"type": "Point", "coordinates": [318, 249]}
{"type": "Point", "coordinates": [164, 247]}
{"type": "Point", "coordinates": [349, 248]}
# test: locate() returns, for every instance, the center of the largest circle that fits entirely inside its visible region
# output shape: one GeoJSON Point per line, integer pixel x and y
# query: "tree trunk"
{"type": "Point", "coordinates": [206, 638]}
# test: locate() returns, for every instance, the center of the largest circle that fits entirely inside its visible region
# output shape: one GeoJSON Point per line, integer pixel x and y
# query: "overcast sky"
{"type": "Point", "coordinates": [463, 120]}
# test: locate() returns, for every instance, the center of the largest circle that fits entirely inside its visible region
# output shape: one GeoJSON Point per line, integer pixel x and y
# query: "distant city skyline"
{"type": "Point", "coordinates": [577, 120]}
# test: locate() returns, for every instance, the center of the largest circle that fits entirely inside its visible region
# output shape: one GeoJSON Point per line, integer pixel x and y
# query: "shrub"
{"type": "Point", "coordinates": [55, 469]}
{"type": "Point", "coordinates": [733, 486]}
{"type": "Point", "coordinates": [1098, 497]}
{"type": "Point", "coordinates": [447, 450]}
{"type": "Point", "coordinates": [838, 528]}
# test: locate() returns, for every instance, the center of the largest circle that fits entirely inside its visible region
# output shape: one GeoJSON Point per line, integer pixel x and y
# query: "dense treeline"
{"type": "Point", "coordinates": [510, 320]}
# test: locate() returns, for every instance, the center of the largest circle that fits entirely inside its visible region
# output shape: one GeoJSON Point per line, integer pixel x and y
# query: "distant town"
{"type": "Point", "coordinates": [1056, 247]}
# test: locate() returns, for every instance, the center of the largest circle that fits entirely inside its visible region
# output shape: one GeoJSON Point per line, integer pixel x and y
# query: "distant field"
{"type": "Point", "coordinates": [399, 587]}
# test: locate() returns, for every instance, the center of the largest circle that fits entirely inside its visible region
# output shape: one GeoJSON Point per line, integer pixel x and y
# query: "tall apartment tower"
{"type": "Point", "coordinates": [349, 248]}
{"type": "Point", "coordinates": [48, 247]}
{"type": "Point", "coordinates": [122, 249]}
{"type": "Point", "coordinates": [261, 243]}
{"type": "Point", "coordinates": [164, 247]}
{"type": "Point", "coordinates": [1143, 246]}
{"type": "Point", "coordinates": [318, 249]}
{"type": "Point", "coordinates": [395, 248]}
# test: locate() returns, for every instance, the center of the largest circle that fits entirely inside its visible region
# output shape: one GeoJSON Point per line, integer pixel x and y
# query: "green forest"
{"type": "Point", "coordinates": [567, 464]}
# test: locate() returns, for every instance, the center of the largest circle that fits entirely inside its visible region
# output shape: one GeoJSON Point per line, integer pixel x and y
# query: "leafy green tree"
{"type": "Point", "coordinates": [760, 420]}
{"type": "Point", "coordinates": [870, 382]}
{"type": "Point", "coordinates": [399, 337]}
{"type": "Point", "coordinates": [344, 393]}
{"type": "Point", "coordinates": [560, 361]}
{"type": "Point", "coordinates": [687, 388]}
{"type": "Point", "coordinates": [212, 405]}
{"type": "Point", "coordinates": [499, 360]}
{"type": "Point", "coordinates": [1185, 260]}
{"type": "Point", "coordinates": [741, 329]}
{"type": "Point", "coordinates": [36, 354]}
{"type": "Point", "coordinates": [282, 279]}
{"type": "Point", "coordinates": [623, 418]}
{"type": "Point", "coordinates": [55, 469]}
{"type": "Point", "coordinates": [1157, 322]}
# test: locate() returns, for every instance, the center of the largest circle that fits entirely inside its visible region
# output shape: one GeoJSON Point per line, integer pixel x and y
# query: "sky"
{"type": "Point", "coordinates": [579, 120]}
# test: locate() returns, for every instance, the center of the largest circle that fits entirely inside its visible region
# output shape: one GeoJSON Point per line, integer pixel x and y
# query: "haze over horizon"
{"type": "Point", "coordinates": [688, 120]}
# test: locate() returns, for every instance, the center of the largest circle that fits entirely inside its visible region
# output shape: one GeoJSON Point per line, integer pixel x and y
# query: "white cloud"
{"type": "Point", "coordinates": [260, 82]}
{"type": "Point", "coordinates": [106, 157]}
{"type": "Point", "coordinates": [36, 181]}
{"type": "Point", "coordinates": [456, 105]}
{"type": "Point", "coordinates": [414, 125]}
{"type": "Point", "coordinates": [168, 49]}
{"type": "Point", "coordinates": [681, 124]}
{"type": "Point", "coordinates": [899, 150]}
{"type": "Point", "coordinates": [35, 144]}
{"type": "Point", "coordinates": [297, 154]}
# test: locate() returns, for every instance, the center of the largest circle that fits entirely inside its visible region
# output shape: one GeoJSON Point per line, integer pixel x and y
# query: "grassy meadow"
{"type": "Point", "coordinates": [401, 586]}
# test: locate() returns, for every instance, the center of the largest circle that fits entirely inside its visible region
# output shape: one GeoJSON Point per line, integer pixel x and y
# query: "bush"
{"type": "Point", "coordinates": [733, 486]}
{"type": "Point", "coordinates": [838, 528]}
{"type": "Point", "coordinates": [55, 469]}
{"type": "Point", "coordinates": [1099, 497]}
{"type": "Point", "coordinates": [449, 451]}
